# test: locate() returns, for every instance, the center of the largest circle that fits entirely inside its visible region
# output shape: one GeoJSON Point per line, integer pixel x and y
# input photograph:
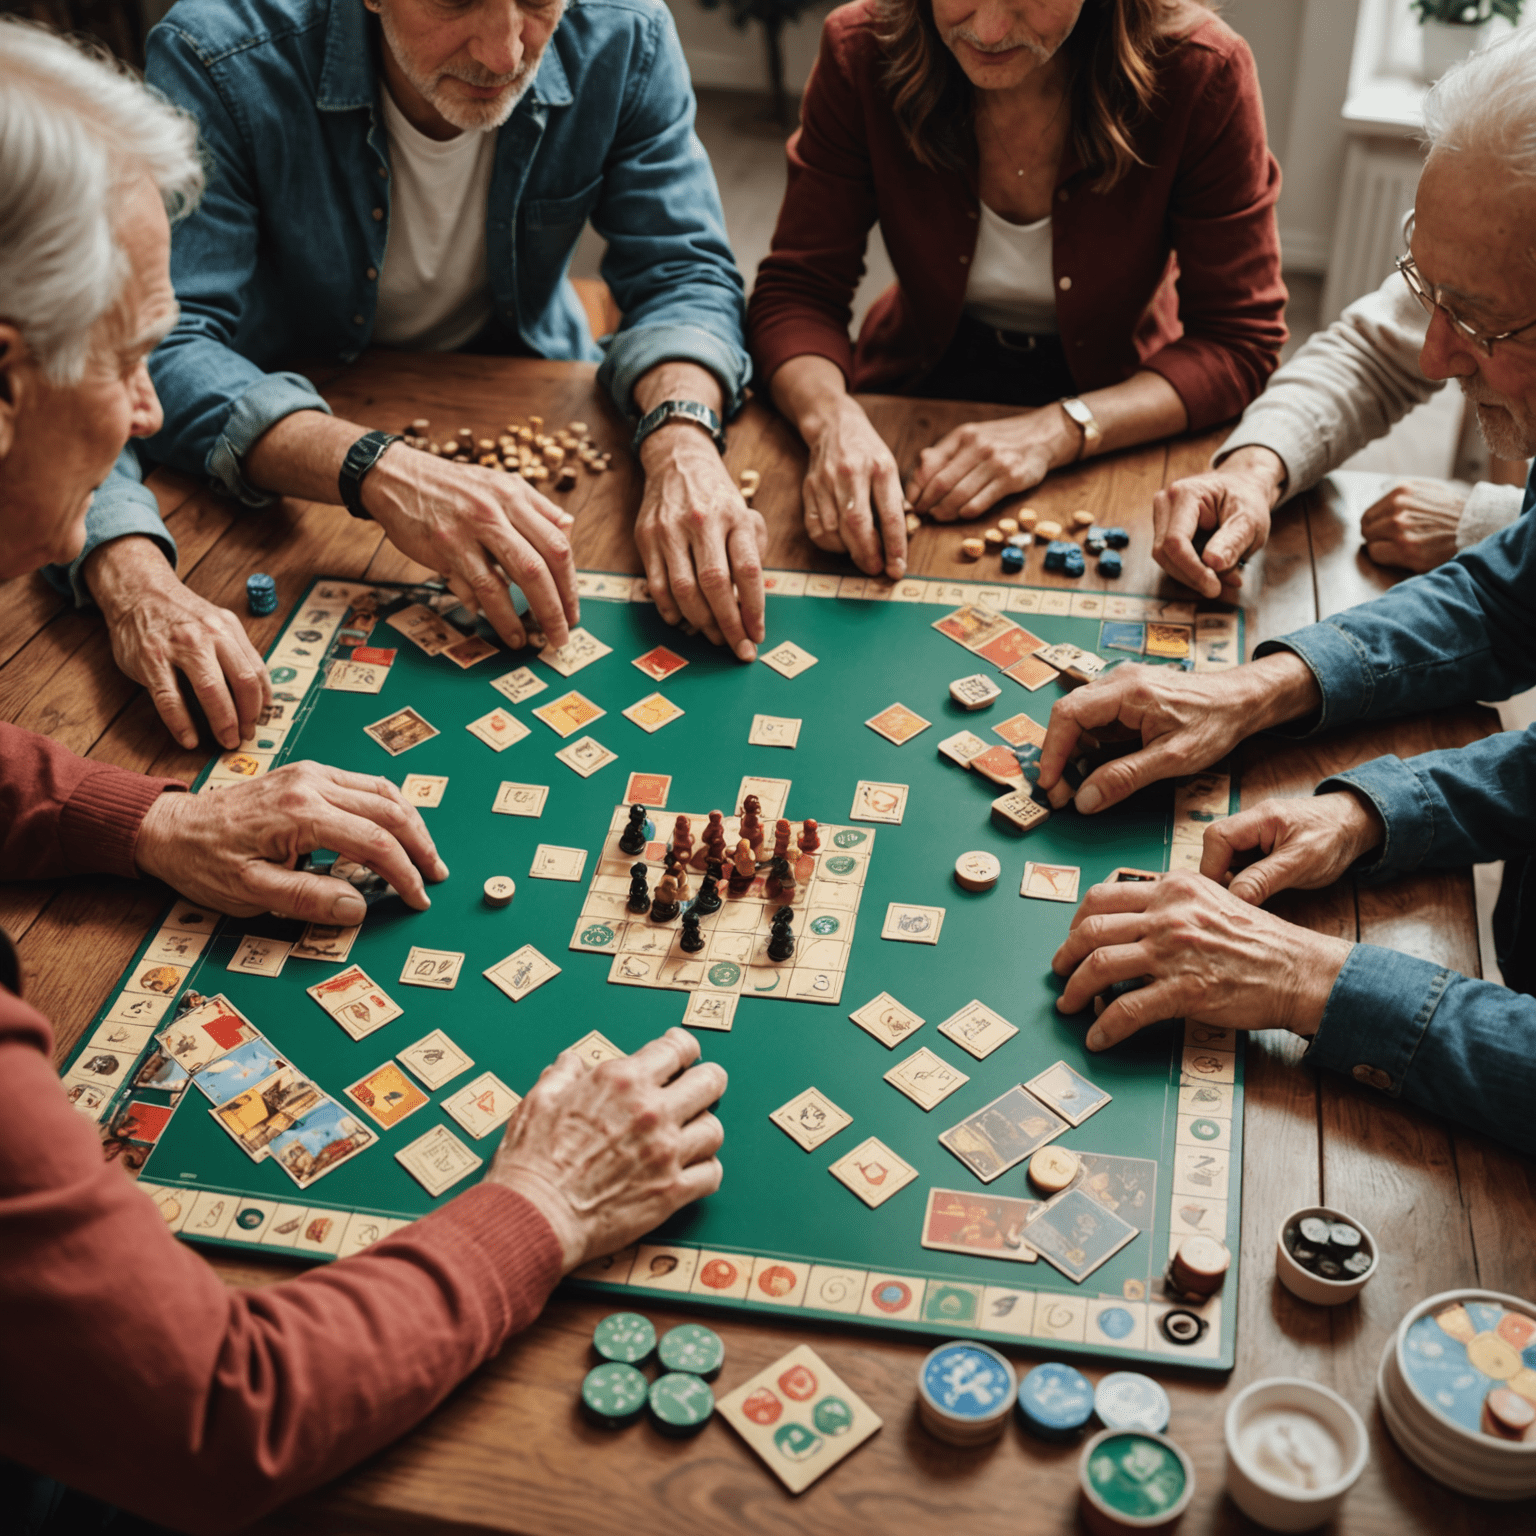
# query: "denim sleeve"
{"type": "Point", "coordinates": [1465, 631]}
{"type": "Point", "coordinates": [122, 505]}
{"type": "Point", "coordinates": [217, 402]}
{"type": "Point", "coordinates": [1417, 1031]}
{"type": "Point", "coordinates": [668, 262]}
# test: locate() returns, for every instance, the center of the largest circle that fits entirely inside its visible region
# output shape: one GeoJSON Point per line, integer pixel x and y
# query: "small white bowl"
{"type": "Point", "coordinates": [1275, 1505]}
{"type": "Point", "coordinates": [1316, 1288]}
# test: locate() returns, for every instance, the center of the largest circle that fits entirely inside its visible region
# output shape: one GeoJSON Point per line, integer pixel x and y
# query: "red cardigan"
{"type": "Point", "coordinates": [1176, 269]}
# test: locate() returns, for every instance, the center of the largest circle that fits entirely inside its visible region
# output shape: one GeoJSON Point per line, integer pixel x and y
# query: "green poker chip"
{"type": "Point", "coordinates": [625, 1337]}
{"type": "Point", "coordinates": [680, 1404]}
{"type": "Point", "coordinates": [693, 1348]}
{"type": "Point", "coordinates": [613, 1394]}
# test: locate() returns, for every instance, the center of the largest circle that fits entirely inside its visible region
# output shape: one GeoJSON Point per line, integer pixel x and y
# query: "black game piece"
{"type": "Point", "coordinates": [692, 940]}
{"type": "Point", "coordinates": [708, 899]}
{"type": "Point", "coordinates": [639, 891]}
{"type": "Point", "coordinates": [1315, 1231]}
{"type": "Point", "coordinates": [632, 838]}
{"type": "Point", "coordinates": [1358, 1264]}
{"type": "Point", "coordinates": [781, 942]}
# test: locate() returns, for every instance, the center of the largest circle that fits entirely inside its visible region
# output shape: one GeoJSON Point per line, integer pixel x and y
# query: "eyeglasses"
{"type": "Point", "coordinates": [1429, 298]}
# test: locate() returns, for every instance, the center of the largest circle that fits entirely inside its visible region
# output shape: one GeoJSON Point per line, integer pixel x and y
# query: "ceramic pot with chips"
{"type": "Point", "coordinates": [1300, 1274]}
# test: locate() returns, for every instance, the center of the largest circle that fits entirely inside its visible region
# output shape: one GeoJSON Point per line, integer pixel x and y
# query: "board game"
{"type": "Point", "coordinates": [309, 1089]}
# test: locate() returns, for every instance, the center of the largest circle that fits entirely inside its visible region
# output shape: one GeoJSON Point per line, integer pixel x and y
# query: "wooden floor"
{"type": "Point", "coordinates": [507, 1451]}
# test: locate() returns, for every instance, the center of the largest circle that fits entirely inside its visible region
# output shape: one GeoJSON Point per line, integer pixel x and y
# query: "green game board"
{"type": "Point", "coordinates": [782, 1234]}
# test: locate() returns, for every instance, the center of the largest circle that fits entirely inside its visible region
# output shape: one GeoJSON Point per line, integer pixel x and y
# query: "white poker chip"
{"type": "Point", "coordinates": [978, 870]}
{"type": "Point", "coordinates": [499, 890]}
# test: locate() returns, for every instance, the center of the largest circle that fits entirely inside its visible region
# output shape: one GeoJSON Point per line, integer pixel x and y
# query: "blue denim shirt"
{"type": "Point", "coordinates": [1466, 631]}
{"type": "Point", "coordinates": [281, 260]}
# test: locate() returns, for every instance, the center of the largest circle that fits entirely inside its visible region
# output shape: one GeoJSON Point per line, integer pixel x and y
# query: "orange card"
{"type": "Point", "coordinates": [898, 724]}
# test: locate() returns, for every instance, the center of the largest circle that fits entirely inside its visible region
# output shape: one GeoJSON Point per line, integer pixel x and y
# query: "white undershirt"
{"type": "Point", "coordinates": [1011, 284]}
{"type": "Point", "coordinates": [433, 294]}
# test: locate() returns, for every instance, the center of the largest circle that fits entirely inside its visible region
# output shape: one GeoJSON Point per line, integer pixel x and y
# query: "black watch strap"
{"type": "Point", "coordinates": [361, 457]}
{"type": "Point", "coordinates": [679, 410]}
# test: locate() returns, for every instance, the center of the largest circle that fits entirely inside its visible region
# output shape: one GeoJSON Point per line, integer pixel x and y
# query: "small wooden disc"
{"type": "Point", "coordinates": [499, 890]}
{"type": "Point", "coordinates": [972, 549]}
{"type": "Point", "coordinates": [1008, 524]}
{"type": "Point", "coordinates": [1051, 1169]}
{"type": "Point", "coordinates": [1200, 1265]}
{"type": "Point", "coordinates": [978, 870]}
{"type": "Point", "coordinates": [1047, 531]}
{"type": "Point", "coordinates": [993, 538]}
{"type": "Point", "coordinates": [1082, 519]}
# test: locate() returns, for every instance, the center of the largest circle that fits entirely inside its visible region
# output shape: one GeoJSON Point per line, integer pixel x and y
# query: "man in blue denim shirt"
{"type": "Point", "coordinates": [1466, 631]}
{"type": "Point", "coordinates": [418, 177]}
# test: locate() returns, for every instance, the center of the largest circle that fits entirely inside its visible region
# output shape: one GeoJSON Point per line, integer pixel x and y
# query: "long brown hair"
{"type": "Point", "coordinates": [1112, 49]}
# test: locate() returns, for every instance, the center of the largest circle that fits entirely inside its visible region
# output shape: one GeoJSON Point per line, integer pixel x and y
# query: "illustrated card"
{"type": "Point", "coordinates": [256, 956]}
{"type": "Point", "coordinates": [898, 724]}
{"type": "Point", "coordinates": [471, 649]}
{"type": "Point", "coordinates": [434, 1059]}
{"type": "Point", "coordinates": [519, 684]}
{"type": "Point", "coordinates": [649, 789]}
{"type": "Point", "coordinates": [1021, 731]}
{"type": "Point", "coordinates": [322, 941]}
{"type": "Point", "coordinates": [424, 790]}
{"type": "Point", "coordinates": [244, 1067]}
{"type": "Point", "coordinates": [387, 1095]}
{"type": "Point", "coordinates": [206, 1033]}
{"type": "Point", "coordinates": [522, 972]}
{"type": "Point", "coordinates": [659, 663]}
{"type": "Point", "coordinates": [984, 1225]}
{"type": "Point", "coordinates": [140, 1120]}
{"type": "Point", "coordinates": [1123, 636]}
{"type": "Point", "coordinates": [324, 1138]}
{"type": "Point", "coordinates": [799, 1417]}
{"type": "Point", "coordinates": [1000, 1135]}
{"type": "Point", "coordinates": [1076, 1234]}
{"type": "Point", "coordinates": [424, 628]}
{"type": "Point", "coordinates": [438, 1160]}
{"type": "Point", "coordinates": [498, 729]}
{"type": "Point", "coordinates": [520, 799]}
{"type": "Point", "coordinates": [1001, 765]}
{"type": "Point", "coordinates": [586, 755]}
{"type": "Point", "coordinates": [355, 677]}
{"type": "Point", "coordinates": [879, 802]}
{"type": "Point", "coordinates": [1173, 641]}
{"type": "Point", "coordinates": [974, 692]}
{"type": "Point", "coordinates": [963, 747]}
{"type": "Point", "coordinates": [432, 968]}
{"type": "Point", "coordinates": [401, 731]}
{"type": "Point", "coordinates": [652, 712]}
{"type": "Point", "coordinates": [1031, 673]}
{"type": "Point", "coordinates": [912, 925]}
{"type": "Point", "coordinates": [554, 863]}
{"type": "Point", "coordinates": [594, 1048]}
{"type": "Point", "coordinates": [1010, 647]}
{"type": "Point", "coordinates": [1125, 1185]}
{"type": "Point", "coordinates": [1068, 1092]}
{"type": "Point", "coordinates": [873, 1172]}
{"type": "Point", "coordinates": [356, 1002]}
{"type": "Point", "coordinates": [787, 659]}
{"type": "Point", "coordinates": [926, 1079]}
{"type": "Point", "coordinates": [258, 1115]}
{"type": "Point", "coordinates": [1050, 882]}
{"type": "Point", "coordinates": [569, 713]}
{"type": "Point", "coordinates": [973, 626]}
{"type": "Point", "coordinates": [886, 1019]}
{"type": "Point", "coordinates": [810, 1118]}
{"type": "Point", "coordinates": [580, 650]}
{"type": "Point", "coordinates": [773, 731]}
{"type": "Point", "coordinates": [710, 1010]}
{"type": "Point", "coordinates": [482, 1105]}
{"type": "Point", "coordinates": [1060, 656]}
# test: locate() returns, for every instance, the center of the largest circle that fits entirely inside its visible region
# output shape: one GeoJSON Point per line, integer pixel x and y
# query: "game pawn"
{"type": "Point", "coordinates": [709, 894]}
{"type": "Point", "coordinates": [639, 891]}
{"type": "Point", "coordinates": [682, 841]}
{"type": "Point", "coordinates": [692, 940]}
{"type": "Point", "coordinates": [632, 838]}
{"type": "Point", "coordinates": [752, 825]}
{"type": "Point", "coordinates": [781, 839]}
{"type": "Point", "coordinates": [781, 941]}
{"type": "Point", "coordinates": [665, 905]}
{"type": "Point", "coordinates": [809, 842]}
{"type": "Point", "coordinates": [743, 869]}
{"type": "Point", "coordinates": [712, 845]}
{"type": "Point", "coordinates": [679, 872]}
{"type": "Point", "coordinates": [781, 881]}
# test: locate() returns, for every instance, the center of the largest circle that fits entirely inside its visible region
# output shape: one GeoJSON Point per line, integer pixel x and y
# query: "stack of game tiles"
{"type": "Point", "coordinates": [1457, 1387]}
{"type": "Point", "coordinates": [965, 1393]}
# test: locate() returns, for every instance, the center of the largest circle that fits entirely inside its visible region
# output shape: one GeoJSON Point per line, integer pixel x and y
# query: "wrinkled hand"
{"type": "Point", "coordinates": [977, 465]}
{"type": "Point", "coordinates": [1234, 500]}
{"type": "Point", "coordinates": [234, 849]}
{"type": "Point", "coordinates": [1302, 844]}
{"type": "Point", "coordinates": [1210, 958]}
{"type": "Point", "coordinates": [162, 631]}
{"type": "Point", "coordinates": [609, 1152]}
{"type": "Point", "coordinates": [852, 493]}
{"type": "Point", "coordinates": [701, 544]}
{"type": "Point", "coordinates": [1414, 525]}
{"type": "Point", "coordinates": [480, 529]}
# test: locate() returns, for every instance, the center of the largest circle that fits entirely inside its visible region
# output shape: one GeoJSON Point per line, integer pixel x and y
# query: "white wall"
{"type": "Point", "coordinates": [720, 56]}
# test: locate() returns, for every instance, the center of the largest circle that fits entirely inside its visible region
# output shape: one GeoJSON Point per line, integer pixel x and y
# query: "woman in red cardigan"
{"type": "Point", "coordinates": [1077, 198]}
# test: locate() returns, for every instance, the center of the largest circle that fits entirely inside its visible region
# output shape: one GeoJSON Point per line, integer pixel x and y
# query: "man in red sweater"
{"type": "Point", "coordinates": [238, 1400]}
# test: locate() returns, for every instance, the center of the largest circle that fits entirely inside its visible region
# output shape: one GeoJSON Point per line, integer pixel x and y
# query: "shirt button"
{"type": "Point", "coordinates": [373, 273]}
{"type": "Point", "coordinates": [965, 261]}
{"type": "Point", "coordinates": [970, 213]}
{"type": "Point", "coordinates": [357, 319]}
{"type": "Point", "coordinates": [378, 213]}
{"type": "Point", "coordinates": [1061, 196]}
{"type": "Point", "coordinates": [1372, 1077]}
{"type": "Point", "coordinates": [1063, 283]}
{"type": "Point", "coordinates": [383, 170]}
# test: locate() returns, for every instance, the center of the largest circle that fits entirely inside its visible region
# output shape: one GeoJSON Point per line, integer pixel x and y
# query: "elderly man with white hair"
{"type": "Point", "coordinates": [1466, 631]}
{"type": "Point", "coordinates": [131, 1372]}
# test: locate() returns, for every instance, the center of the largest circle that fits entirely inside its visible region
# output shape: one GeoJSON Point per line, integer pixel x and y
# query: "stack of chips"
{"type": "Point", "coordinates": [1132, 1480]}
{"type": "Point", "coordinates": [1199, 1267]}
{"type": "Point", "coordinates": [964, 1393]}
{"type": "Point", "coordinates": [1333, 1250]}
{"type": "Point", "coordinates": [1012, 559]}
{"type": "Point", "coordinates": [1055, 1401]}
{"type": "Point", "coordinates": [616, 1392]}
{"type": "Point", "coordinates": [260, 595]}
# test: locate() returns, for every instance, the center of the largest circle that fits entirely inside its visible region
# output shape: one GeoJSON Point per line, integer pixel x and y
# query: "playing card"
{"type": "Point", "coordinates": [170, 946]}
{"type": "Point", "coordinates": [710, 1010]}
{"type": "Point", "coordinates": [1000, 1135]}
{"type": "Point", "coordinates": [1125, 1185]}
{"type": "Point", "coordinates": [355, 1002]}
{"type": "Point", "coordinates": [898, 724]}
{"type": "Point", "coordinates": [879, 802]}
{"type": "Point", "coordinates": [1010, 647]}
{"type": "Point", "coordinates": [973, 626]}
{"type": "Point", "coordinates": [482, 1105]}
{"type": "Point", "coordinates": [244, 1067]}
{"type": "Point", "coordinates": [772, 795]}
{"type": "Point", "coordinates": [652, 712]}
{"type": "Point", "coordinates": [553, 863]}
{"type": "Point", "coordinates": [432, 968]}
{"type": "Point", "coordinates": [1077, 1235]}
{"type": "Point", "coordinates": [873, 1172]}
{"type": "Point", "coordinates": [1169, 640]}
{"type": "Point", "coordinates": [401, 731]}
{"type": "Point", "coordinates": [659, 663]}
{"type": "Point", "coordinates": [810, 1118]}
{"type": "Point", "coordinates": [787, 659]}
{"type": "Point", "coordinates": [984, 1225]}
{"type": "Point", "coordinates": [471, 649]}
{"type": "Point", "coordinates": [321, 941]}
{"type": "Point", "coordinates": [355, 677]}
{"type": "Point", "coordinates": [594, 1048]}
{"type": "Point", "coordinates": [1120, 636]}
{"type": "Point", "coordinates": [520, 799]}
{"type": "Point", "coordinates": [963, 747]}
{"type": "Point", "coordinates": [519, 684]}
{"type": "Point", "coordinates": [438, 1160]}
{"type": "Point", "coordinates": [434, 1059]}
{"type": "Point", "coordinates": [586, 756]}
{"type": "Point", "coordinates": [1021, 731]}
{"type": "Point", "coordinates": [1050, 882]}
{"type": "Point", "coordinates": [498, 730]}
{"type": "Point", "coordinates": [912, 925]}
{"type": "Point", "coordinates": [256, 956]}
{"type": "Point", "coordinates": [258, 1115]}
{"type": "Point", "coordinates": [773, 731]}
{"type": "Point", "coordinates": [926, 1079]}
{"type": "Point", "coordinates": [424, 790]}
{"type": "Point", "coordinates": [524, 969]}
{"type": "Point", "coordinates": [424, 628]}
{"type": "Point", "coordinates": [387, 1095]}
{"type": "Point", "coordinates": [977, 1029]}
{"type": "Point", "coordinates": [1068, 1092]}
{"type": "Point", "coordinates": [569, 713]}
{"type": "Point", "coordinates": [886, 1019]}
{"type": "Point", "coordinates": [581, 650]}
{"type": "Point", "coordinates": [1031, 673]}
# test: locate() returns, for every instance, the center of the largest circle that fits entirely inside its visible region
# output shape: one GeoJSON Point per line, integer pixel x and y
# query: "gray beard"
{"type": "Point", "coordinates": [1505, 435]}
{"type": "Point", "coordinates": [468, 116]}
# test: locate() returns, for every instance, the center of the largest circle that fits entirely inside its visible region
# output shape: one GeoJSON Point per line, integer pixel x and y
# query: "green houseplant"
{"type": "Point", "coordinates": [1452, 29]}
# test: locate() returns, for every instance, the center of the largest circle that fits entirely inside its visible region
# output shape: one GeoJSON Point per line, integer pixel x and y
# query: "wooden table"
{"type": "Point", "coordinates": [508, 1451]}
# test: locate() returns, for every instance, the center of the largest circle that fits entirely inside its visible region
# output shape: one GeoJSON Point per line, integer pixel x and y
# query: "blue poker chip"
{"type": "Point", "coordinates": [1129, 1400]}
{"type": "Point", "coordinates": [260, 594]}
{"type": "Point", "coordinates": [1055, 1401]}
{"type": "Point", "coordinates": [967, 1382]}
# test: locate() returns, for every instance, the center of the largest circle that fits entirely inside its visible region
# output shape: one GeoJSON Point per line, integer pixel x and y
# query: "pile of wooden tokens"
{"type": "Point", "coordinates": [524, 448]}
{"type": "Point", "coordinates": [679, 1402]}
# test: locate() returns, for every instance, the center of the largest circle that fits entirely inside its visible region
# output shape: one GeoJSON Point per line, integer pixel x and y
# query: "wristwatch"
{"type": "Point", "coordinates": [361, 457]}
{"type": "Point", "coordinates": [1079, 413]}
{"type": "Point", "coordinates": [679, 410]}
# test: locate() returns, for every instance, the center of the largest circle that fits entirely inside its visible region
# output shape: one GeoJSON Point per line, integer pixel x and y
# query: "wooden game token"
{"type": "Point", "coordinates": [978, 870]}
{"type": "Point", "coordinates": [1082, 519]}
{"type": "Point", "coordinates": [993, 538]}
{"type": "Point", "coordinates": [1507, 1414]}
{"type": "Point", "coordinates": [1018, 811]}
{"type": "Point", "coordinates": [1045, 531]}
{"type": "Point", "coordinates": [974, 692]}
{"type": "Point", "coordinates": [914, 522]}
{"type": "Point", "coordinates": [1199, 1265]}
{"type": "Point", "coordinates": [499, 890]}
{"type": "Point", "coordinates": [972, 549]}
{"type": "Point", "coordinates": [1008, 524]}
{"type": "Point", "coordinates": [1051, 1169]}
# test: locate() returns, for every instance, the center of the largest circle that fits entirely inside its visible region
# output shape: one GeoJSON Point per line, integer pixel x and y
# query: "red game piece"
{"type": "Point", "coordinates": [781, 839]}
{"type": "Point", "coordinates": [810, 838]}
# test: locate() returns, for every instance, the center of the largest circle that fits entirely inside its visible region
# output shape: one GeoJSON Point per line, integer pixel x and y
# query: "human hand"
{"type": "Point", "coordinates": [1186, 720]}
{"type": "Point", "coordinates": [234, 849]}
{"type": "Point", "coordinates": [1209, 957]}
{"type": "Point", "coordinates": [607, 1153]}
{"type": "Point", "coordinates": [159, 629]}
{"type": "Point", "coordinates": [1235, 500]}
{"type": "Point", "coordinates": [852, 490]}
{"type": "Point", "coordinates": [701, 544]}
{"type": "Point", "coordinates": [1414, 525]}
{"type": "Point", "coordinates": [1302, 844]}
{"type": "Point", "coordinates": [481, 529]}
{"type": "Point", "coordinates": [978, 464]}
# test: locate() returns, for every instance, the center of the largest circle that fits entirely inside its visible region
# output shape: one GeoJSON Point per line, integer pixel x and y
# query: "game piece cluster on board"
{"type": "Point", "coordinates": [522, 448]}
{"type": "Point", "coordinates": [1009, 537]}
{"type": "Point", "coordinates": [617, 1391]}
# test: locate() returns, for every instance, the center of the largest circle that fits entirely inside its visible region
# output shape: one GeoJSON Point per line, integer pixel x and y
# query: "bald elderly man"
{"type": "Point", "coordinates": [130, 1371]}
{"type": "Point", "coordinates": [1465, 631]}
